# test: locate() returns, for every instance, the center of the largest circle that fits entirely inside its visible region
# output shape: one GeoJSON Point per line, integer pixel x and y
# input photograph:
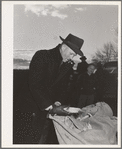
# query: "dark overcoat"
{"type": "Point", "coordinates": [47, 82]}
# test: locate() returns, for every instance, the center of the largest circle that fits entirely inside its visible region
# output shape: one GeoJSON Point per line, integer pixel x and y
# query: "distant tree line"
{"type": "Point", "coordinates": [109, 51]}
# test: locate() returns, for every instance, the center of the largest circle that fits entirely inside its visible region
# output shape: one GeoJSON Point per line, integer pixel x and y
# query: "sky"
{"type": "Point", "coordinates": [38, 26]}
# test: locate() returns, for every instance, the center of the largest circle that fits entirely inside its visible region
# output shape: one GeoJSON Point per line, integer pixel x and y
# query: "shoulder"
{"type": "Point", "coordinates": [40, 56]}
{"type": "Point", "coordinates": [45, 55]}
{"type": "Point", "coordinates": [48, 52]}
{"type": "Point", "coordinates": [40, 53]}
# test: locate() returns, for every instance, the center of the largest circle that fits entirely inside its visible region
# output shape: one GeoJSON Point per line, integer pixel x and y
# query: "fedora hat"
{"type": "Point", "coordinates": [74, 43]}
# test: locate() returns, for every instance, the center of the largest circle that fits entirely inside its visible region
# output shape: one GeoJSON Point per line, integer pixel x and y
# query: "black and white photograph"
{"type": "Point", "coordinates": [61, 74]}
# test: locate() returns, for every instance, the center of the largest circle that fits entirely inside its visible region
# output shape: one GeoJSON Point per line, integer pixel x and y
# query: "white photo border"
{"type": "Point", "coordinates": [7, 74]}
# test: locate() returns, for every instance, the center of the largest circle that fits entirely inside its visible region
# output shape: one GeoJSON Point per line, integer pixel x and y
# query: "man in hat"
{"type": "Point", "coordinates": [47, 89]}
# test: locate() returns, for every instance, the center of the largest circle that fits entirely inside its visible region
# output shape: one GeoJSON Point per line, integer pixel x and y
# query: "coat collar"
{"type": "Point", "coordinates": [57, 54]}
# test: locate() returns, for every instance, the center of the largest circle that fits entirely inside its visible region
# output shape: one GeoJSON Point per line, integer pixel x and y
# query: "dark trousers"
{"type": "Point", "coordinates": [48, 135]}
{"type": "Point", "coordinates": [85, 100]}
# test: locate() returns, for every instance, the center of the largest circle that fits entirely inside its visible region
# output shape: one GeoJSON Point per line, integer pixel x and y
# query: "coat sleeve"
{"type": "Point", "coordinates": [37, 77]}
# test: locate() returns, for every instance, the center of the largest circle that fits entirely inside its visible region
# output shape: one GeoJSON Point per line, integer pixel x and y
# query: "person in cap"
{"type": "Point", "coordinates": [49, 73]}
{"type": "Point", "coordinates": [86, 87]}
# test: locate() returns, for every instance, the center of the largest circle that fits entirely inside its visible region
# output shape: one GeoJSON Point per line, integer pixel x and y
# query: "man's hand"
{"type": "Point", "coordinates": [59, 110]}
{"type": "Point", "coordinates": [76, 59]}
{"type": "Point", "coordinates": [57, 103]}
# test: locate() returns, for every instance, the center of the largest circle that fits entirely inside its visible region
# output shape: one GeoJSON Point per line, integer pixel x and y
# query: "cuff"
{"type": "Point", "coordinates": [49, 108]}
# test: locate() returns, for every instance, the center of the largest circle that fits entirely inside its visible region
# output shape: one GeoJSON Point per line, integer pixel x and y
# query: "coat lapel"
{"type": "Point", "coordinates": [64, 68]}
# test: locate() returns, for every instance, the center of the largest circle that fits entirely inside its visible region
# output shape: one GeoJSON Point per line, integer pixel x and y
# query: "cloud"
{"type": "Point", "coordinates": [45, 12]}
{"type": "Point", "coordinates": [80, 9]}
{"type": "Point", "coordinates": [53, 10]}
{"type": "Point", "coordinates": [35, 9]}
{"type": "Point", "coordinates": [57, 14]}
{"type": "Point", "coordinates": [60, 6]}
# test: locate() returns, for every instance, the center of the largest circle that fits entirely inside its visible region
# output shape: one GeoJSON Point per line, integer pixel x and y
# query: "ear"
{"type": "Point", "coordinates": [63, 47]}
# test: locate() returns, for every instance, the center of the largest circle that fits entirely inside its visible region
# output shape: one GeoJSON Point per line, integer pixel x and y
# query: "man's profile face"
{"type": "Point", "coordinates": [67, 53]}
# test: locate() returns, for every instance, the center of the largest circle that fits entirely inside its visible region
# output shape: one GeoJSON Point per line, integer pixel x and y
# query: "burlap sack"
{"type": "Point", "coordinates": [99, 128]}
